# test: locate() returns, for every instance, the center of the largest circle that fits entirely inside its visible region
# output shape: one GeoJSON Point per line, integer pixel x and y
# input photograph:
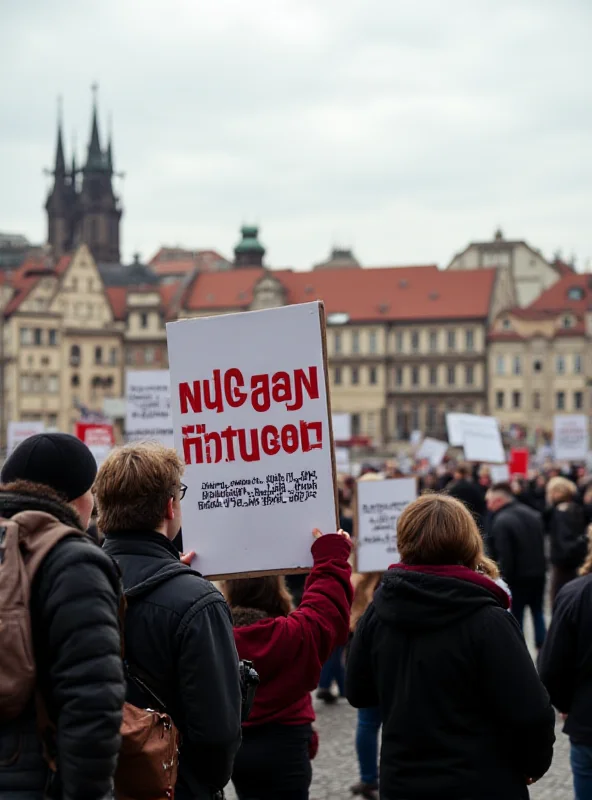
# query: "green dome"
{"type": "Point", "coordinates": [249, 242]}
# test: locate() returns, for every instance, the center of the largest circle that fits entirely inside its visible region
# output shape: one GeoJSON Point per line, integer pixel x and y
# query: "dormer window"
{"type": "Point", "coordinates": [567, 322]}
{"type": "Point", "coordinates": [506, 324]}
{"type": "Point", "coordinates": [575, 293]}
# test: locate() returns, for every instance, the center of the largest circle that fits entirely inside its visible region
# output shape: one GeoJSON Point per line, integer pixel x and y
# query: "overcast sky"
{"type": "Point", "coordinates": [404, 129]}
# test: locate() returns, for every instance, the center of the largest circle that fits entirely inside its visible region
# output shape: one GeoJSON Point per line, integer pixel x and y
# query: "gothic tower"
{"type": "Point", "coordinates": [98, 210]}
{"type": "Point", "coordinates": [61, 201]}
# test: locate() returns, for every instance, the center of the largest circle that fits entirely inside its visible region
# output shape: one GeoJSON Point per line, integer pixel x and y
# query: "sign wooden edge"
{"type": "Point", "coordinates": [357, 523]}
{"type": "Point", "coordinates": [301, 570]}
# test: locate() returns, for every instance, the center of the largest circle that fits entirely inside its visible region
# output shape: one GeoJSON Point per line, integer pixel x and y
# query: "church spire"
{"type": "Point", "coordinates": [95, 156]}
{"type": "Point", "coordinates": [60, 161]}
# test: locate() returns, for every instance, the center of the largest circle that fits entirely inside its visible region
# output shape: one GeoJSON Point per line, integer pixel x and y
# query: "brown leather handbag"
{"type": "Point", "coordinates": [149, 756]}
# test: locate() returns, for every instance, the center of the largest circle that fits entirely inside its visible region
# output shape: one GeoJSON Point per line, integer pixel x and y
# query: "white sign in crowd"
{"type": "Point", "coordinates": [479, 436]}
{"type": "Point", "coordinates": [379, 504]}
{"type": "Point", "coordinates": [17, 432]}
{"type": "Point", "coordinates": [148, 406]}
{"type": "Point", "coordinates": [570, 437]}
{"type": "Point", "coordinates": [251, 420]}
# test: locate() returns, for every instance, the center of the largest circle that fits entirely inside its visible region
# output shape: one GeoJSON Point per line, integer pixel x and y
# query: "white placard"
{"type": "Point", "coordinates": [379, 505]}
{"type": "Point", "coordinates": [454, 425]}
{"type": "Point", "coordinates": [341, 427]}
{"type": "Point", "coordinates": [570, 437]}
{"type": "Point", "coordinates": [148, 406]}
{"type": "Point", "coordinates": [250, 414]}
{"type": "Point", "coordinates": [342, 462]}
{"type": "Point", "coordinates": [482, 440]}
{"type": "Point", "coordinates": [19, 431]}
{"type": "Point", "coordinates": [500, 473]}
{"type": "Point", "coordinates": [433, 450]}
{"type": "Point", "coordinates": [415, 438]}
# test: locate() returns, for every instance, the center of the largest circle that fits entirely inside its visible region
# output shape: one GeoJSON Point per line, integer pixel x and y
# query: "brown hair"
{"type": "Point", "coordinates": [134, 485]}
{"type": "Point", "coordinates": [268, 594]}
{"type": "Point", "coordinates": [463, 470]}
{"type": "Point", "coordinates": [437, 529]}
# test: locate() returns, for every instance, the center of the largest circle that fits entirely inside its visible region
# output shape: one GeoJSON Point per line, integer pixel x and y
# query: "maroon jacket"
{"type": "Point", "coordinates": [288, 652]}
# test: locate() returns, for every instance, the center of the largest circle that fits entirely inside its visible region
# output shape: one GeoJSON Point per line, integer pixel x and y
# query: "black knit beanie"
{"type": "Point", "coordinates": [57, 460]}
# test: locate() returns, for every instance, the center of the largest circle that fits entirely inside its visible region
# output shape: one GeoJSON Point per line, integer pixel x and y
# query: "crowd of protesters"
{"type": "Point", "coordinates": [114, 647]}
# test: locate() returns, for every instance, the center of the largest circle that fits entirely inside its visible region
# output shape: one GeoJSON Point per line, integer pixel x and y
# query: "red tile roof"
{"type": "Point", "coordinates": [402, 293]}
{"type": "Point", "coordinates": [557, 298]}
{"type": "Point", "coordinates": [117, 296]}
{"type": "Point", "coordinates": [562, 268]}
{"type": "Point", "coordinates": [176, 261]}
{"type": "Point", "coordinates": [63, 264]}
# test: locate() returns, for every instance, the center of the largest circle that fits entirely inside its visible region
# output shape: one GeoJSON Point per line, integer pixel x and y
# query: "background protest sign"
{"type": "Point", "coordinates": [19, 431]}
{"type": "Point", "coordinates": [481, 438]}
{"type": "Point", "coordinates": [148, 406]}
{"type": "Point", "coordinates": [500, 473]}
{"type": "Point", "coordinates": [252, 424]}
{"type": "Point", "coordinates": [341, 427]}
{"type": "Point", "coordinates": [379, 504]}
{"type": "Point", "coordinates": [518, 464]}
{"type": "Point", "coordinates": [433, 450]}
{"type": "Point", "coordinates": [97, 437]}
{"type": "Point", "coordinates": [454, 426]}
{"type": "Point", "coordinates": [570, 437]}
{"type": "Point", "coordinates": [342, 461]}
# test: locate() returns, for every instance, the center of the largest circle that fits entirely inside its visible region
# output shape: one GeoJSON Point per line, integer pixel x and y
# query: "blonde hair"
{"type": "Point", "coordinates": [561, 490]}
{"type": "Point", "coordinates": [134, 485]}
{"type": "Point", "coordinates": [437, 529]}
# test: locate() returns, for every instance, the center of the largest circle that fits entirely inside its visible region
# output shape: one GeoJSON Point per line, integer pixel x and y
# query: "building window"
{"type": "Point", "coordinates": [143, 320]}
{"type": "Point", "coordinates": [578, 401]}
{"type": "Point", "coordinates": [499, 399]}
{"type": "Point", "coordinates": [398, 376]}
{"type": "Point", "coordinates": [355, 376]}
{"type": "Point", "coordinates": [75, 380]}
{"type": "Point", "coordinates": [469, 408]}
{"type": "Point", "coordinates": [536, 401]}
{"type": "Point", "coordinates": [577, 364]}
{"type": "Point", "coordinates": [516, 399]}
{"type": "Point", "coordinates": [75, 356]}
{"type": "Point", "coordinates": [537, 365]}
{"type": "Point", "coordinates": [37, 383]}
{"type": "Point", "coordinates": [25, 383]}
{"type": "Point", "coordinates": [560, 401]}
{"type": "Point", "coordinates": [26, 336]}
{"type": "Point", "coordinates": [415, 376]}
{"type": "Point", "coordinates": [337, 342]}
{"type": "Point", "coordinates": [560, 365]}
{"type": "Point", "coordinates": [337, 376]}
{"type": "Point", "coordinates": [373, 376]}
{"type": "Point", "coordinates": [506, 324]}
{"type": "Point", "coordinates": [500, 365]}
{"type": "Point", "coordinates": [149, 355]}
{"type": "Point", "coordinates": [74, 284]}
{"type": "Point", "coordinates": [433, 376]}
{"type": "Point", "coordinates": [355, 342]}
{"type": "Point", "coordinates": [355, 424]}
{"type": "Point", "coordinates": [469, 374]}
{"type": "Point", "coordinates": [91, 285]}
{"type": "Point", "coordinates": [517, 365]}
{"type": "Point", "coordinates": [52, 420]}
{"type": "Point", "coordinates": [415, 418]}
{"type": "Point", "coordinates": [113, 357]}
{"type": "Point", "coordinates": [53, 337]}
{"type": "Point", "coordinates": [399, 341]}
{"type": "Point", "coordinates": [431, 417]}
{"type": "Point", "coordinates": [372, 342]}
{"type": "Point", "coordinates": [451, 338]}
{"type": "Point", "coordinates": [567, 322]}
{"type": "Point", "coordinates": [53, 384]}
{"type": "Point", "coordinates": [433, 341]}
{"type": "Point", "coordinates": [37, 336]}
{"type": "Point", "coordinates": [469, 340]}
{"type": "Point", "coordinates": [98, 355]}
{"type": "Point", "coordinates": [371, 421]}
{"type": "Point", "coordinates": [414, 341]}
{"type": "Point", "coordinates": [451, 375]}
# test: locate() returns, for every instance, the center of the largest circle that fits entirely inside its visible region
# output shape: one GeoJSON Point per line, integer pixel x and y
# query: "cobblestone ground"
{"type": "Point", "coordinates": [335, 768]}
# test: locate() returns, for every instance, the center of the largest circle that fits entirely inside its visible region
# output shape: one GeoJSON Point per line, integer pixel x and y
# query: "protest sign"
{"type": "Point", "coordinates": [252, 424]}
{"type": "Point", "coordinates": [454, 426]}
{"type": "Point", "coordinates": [19, 431]}
{"type": "Point", "coordinates": [341, 427]}
{"type": "Point", "coordinates": [379, 504]}
{"type": "Point", "coordinates": [432, 450]}
{"type": "Point", "coordinates": [148, 406]}
{"type": "Point", "coordinates": [499, 473]}
{"type": "Point", "coordinates": [570, 437]}
{"type": "Point", "coordinates": [415, 438]}
{"type": "Point", "coordinates": [342, 462]}
{"type": "Point", "coordinates": [518, 464]}
{"type": "Point", "coordinates": [97, 437]}
{"type": "Point", "coordinates": [482, 440]}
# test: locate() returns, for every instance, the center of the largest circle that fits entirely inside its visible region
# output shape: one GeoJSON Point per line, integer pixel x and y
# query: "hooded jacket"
{"type": "Point", "coordinates": [74, 605]}
{"type": "Point", "coordinates": [517, 542]}
{"type": "Point", "coordinates": [465, 716]}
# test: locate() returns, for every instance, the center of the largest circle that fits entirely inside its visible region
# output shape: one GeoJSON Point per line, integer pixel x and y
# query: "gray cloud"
{"type": "Point", "coordinates": [403, 128]}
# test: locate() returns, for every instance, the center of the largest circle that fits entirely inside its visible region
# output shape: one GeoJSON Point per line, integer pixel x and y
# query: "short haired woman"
{"type": "Point", "coordinates": [566, 524]}
{"type": "Point", "coordinates": [288, 649]}
{"type": "Point", "coordinates": [464, 712]}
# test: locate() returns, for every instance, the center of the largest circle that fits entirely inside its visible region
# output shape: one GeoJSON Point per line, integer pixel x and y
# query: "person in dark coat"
{"type": "Point", "coordinates": [178, 633]}
{"type": "Point", "coordinates": [463, 488]}
{"type": "Point", "coordinates": [517, 544]}
{"type": "Point", "coordinates": [75, 629]}
{"type": "Point", "coordinates": [287, 649]}
{"type": "Point", "coordinates": [566, 525]}
{"type": "Point", "coordinates": [464, 713]}
{"type": "Point", "coordinates": [565, 667]}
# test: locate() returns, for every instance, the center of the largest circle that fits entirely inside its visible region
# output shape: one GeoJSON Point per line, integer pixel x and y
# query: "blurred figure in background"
{"type": "Point", "coordinates": [464, 489]}
{"type": "Point", "coordinates": [566, 525]}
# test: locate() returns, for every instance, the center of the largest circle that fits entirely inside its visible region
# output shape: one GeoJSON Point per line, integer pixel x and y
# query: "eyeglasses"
{"type": "Point", "coordinates": [182, 491]}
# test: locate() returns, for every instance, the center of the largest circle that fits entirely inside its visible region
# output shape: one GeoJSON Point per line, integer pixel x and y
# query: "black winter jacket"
{"type": "Point", "coordinates": [74, 605]}
{"type": "Point", "coordinates": [180, 637]}
{"type": "Point", "coordinates": [472, 496]}
{"type": "Point", "coordinates": [567, 531]}
{"type": "Point", "coordinates": [464, 714]}
{"type": "Point", "coordinates": [565, 663]}
{"type": "Point", "coordinates": [517, 542]}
